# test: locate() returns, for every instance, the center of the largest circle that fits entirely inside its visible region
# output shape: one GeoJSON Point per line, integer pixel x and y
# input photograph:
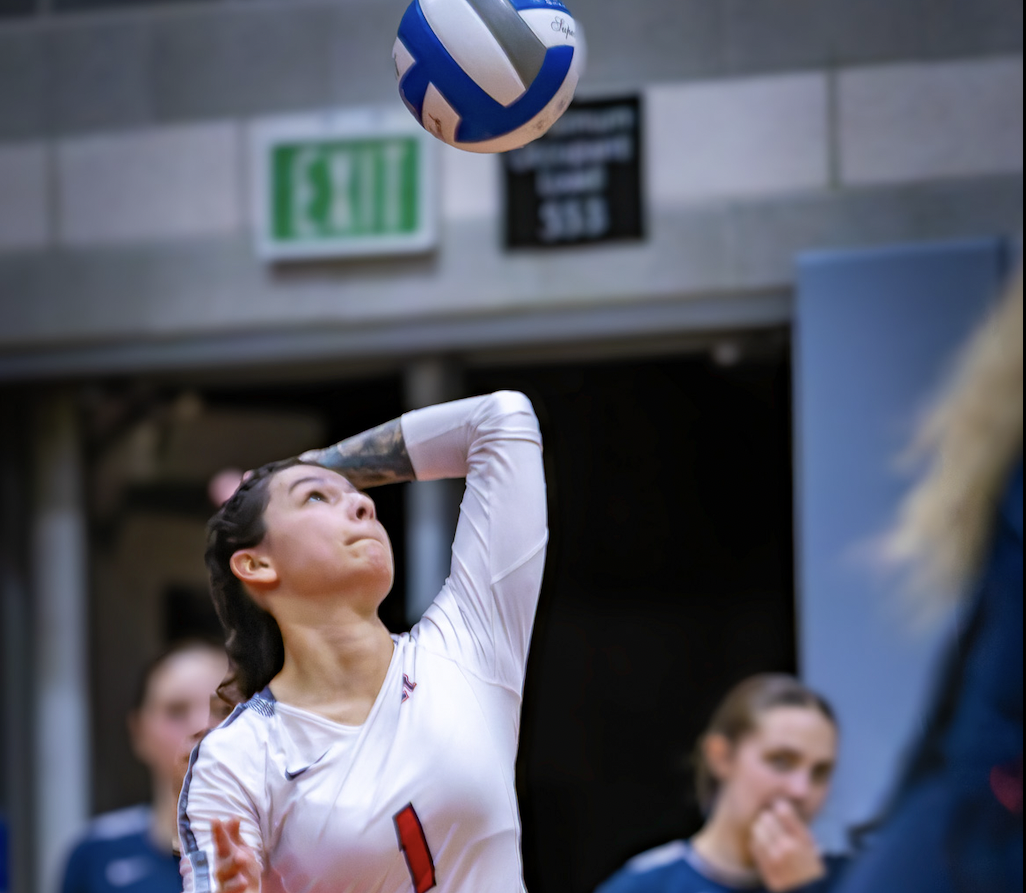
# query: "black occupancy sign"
{"type": "Point", "coordinates": [581, 181]}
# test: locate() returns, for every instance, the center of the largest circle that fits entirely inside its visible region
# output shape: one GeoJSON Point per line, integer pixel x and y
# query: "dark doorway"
{"type": "Point", "coordinates": [147, 523]}
{"type": "Point", "coordinates": [669, 577]}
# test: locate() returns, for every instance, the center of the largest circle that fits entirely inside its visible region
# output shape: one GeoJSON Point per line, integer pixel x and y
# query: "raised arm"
{"type": "Point", "coordinates": [370, 459]}
{"type": "Point", "coordinates": [487, 605]}
{"type": "Point", "coordinates": [485, 610]}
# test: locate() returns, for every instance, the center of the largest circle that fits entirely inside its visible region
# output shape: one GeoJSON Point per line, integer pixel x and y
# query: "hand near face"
{"type": "Point", "coordinates": [236, 866]}
{"type": "Point", "coordinates": [784, 849]}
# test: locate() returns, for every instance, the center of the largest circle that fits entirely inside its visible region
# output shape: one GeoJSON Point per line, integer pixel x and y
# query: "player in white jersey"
{"type": "Point", "coordinates": [365, 761]}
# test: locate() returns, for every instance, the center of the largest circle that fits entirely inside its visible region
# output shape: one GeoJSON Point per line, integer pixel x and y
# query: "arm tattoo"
{"type": "Point", "coordinates": [369, 459]}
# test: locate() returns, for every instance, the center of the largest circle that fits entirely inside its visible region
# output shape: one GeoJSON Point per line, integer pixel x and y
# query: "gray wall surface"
{"type": "Point", "coordinates": [160, 63]}
{"type": "Point", "coordinates": [768, 128]}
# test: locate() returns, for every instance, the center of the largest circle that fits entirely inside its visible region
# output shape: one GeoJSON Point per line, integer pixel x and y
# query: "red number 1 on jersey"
{"type": "Point", "coordinates": [413, 843]}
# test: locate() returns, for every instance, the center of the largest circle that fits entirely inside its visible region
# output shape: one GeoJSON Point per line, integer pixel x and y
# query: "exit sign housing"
{"type": "Point", "coordinates": [356, 182]}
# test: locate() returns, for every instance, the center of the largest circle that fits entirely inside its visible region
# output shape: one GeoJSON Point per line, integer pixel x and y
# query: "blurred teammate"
{"type": "Point", "coordinates": [132, 850]}
{"type": "Point", "coordinates": [360, 760]}
{"type": "Point", "coordinates": [955, 820]}
{"type": "Point", "coordinates": [763, 770]}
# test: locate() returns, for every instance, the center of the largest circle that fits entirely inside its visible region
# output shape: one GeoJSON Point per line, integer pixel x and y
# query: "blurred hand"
{"type": "Point", "coordinates": [236, 866]}
{"type": "Point", "coordinates": [785, 852]}
{"type": "Point", "coordinates": [223, 484]}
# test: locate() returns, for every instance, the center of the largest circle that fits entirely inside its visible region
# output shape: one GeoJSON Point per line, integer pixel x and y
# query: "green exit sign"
{"type": "Point", "coordinates": [359, 182]}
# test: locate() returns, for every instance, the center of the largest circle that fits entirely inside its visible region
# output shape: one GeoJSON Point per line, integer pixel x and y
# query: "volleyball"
{"type": "Point", "coordinates": [487, 75]}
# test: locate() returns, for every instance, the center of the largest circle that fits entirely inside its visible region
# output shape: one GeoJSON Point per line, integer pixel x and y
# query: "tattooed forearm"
{"type": "Point", "coordinates": [369, 459]}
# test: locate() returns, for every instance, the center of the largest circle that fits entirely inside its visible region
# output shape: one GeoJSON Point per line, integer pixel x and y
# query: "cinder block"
{"type": "Point", "coordinates": [766, 235]}
{"type": "Point", "coordinates": [980, 27]}
{"type": "Point", "coordinates": [631, 44]}
{"type": "Point", "coordinates": [24, 203]}
{"type": "Point", "coordinates": [360, 51]}
{"type": "Point", "coordinates": [874, 31]}
{"type": "Point", "coordinates": [983, 206]}
{"type": "Point", "coordinates": [22, 83]}
{"type": "Point", "coordinates": [927, 120]}
{"type": "Point", "coordinates": [157, 288]}
{"type": "Point", "coordinates": [23, 304]}
{"type": "Point", "coordinates": [162, 183]}
{"type": "Point", "coordinates": [13, 9]}
{"type": "Point", "coordinates": [879, 30]}
{"type": "Point", "coordinates": [776, 35]}
{"type": "Point", "coordinates": [99, 74]}
{"type": "Point", "coordinates": [471, 184]}
{"type": "Point", "coordinates": [242, 60]}
{"type": "Point", "coordinates": [732, 138]}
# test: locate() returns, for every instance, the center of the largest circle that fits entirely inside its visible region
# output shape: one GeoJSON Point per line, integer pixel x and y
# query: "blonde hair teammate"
{"type": "Point", "coordinates": [955, 821]}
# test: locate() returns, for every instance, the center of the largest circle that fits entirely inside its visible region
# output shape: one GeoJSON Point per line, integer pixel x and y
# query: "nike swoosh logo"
{"type": "Point", "coordinates": [293, 774]}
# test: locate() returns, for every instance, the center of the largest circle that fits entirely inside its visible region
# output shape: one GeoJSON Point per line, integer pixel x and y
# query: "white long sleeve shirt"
{"type": "Point", "coordinates": [420, 796]}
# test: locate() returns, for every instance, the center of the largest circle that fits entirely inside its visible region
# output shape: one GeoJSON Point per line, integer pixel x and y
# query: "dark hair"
{"type": "Point", "coordinates": [180, 646]}
{"type": "Point", "coordinates": [252, 637]}
{"type": "Point", "coordinates": [739, 712]}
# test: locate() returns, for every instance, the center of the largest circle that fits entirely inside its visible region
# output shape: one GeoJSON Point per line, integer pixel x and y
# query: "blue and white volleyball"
{"type": "Point", "coordinates": [487, 75]}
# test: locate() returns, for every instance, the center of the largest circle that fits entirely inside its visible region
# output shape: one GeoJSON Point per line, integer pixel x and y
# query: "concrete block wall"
{"type": "Point", "coordinates": [921, 121]}
{"type": "Point", "coordinates": [148, 185]}
{"type": "Point", "coordinates": [769, 127]}
{"type": "Point", "coordinates": [737, 138]}
{"type": "Point", "coordinates": [24, 185]}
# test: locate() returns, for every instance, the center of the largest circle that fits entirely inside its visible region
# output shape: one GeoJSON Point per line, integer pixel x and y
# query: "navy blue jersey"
{"type": "Point", "coordinates": [117, 855]}
{"type": "Point", "coordinates": [676, 868]}
{"type": "Point", "coordinates": [955, 820]}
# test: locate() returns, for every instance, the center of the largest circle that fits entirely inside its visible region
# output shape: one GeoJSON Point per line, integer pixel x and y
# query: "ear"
{"type": "Point", "coordinates": [719, 755]}
{"type": "Point", "coordinates": [254, 568]}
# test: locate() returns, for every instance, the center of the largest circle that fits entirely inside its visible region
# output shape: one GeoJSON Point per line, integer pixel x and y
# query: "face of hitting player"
{"type": "Point", "coordinates": [323, 538]}
{"type": "Point", "coordinates": [789, 755]}
{"type": "Point", "coordinates": [175, 709]}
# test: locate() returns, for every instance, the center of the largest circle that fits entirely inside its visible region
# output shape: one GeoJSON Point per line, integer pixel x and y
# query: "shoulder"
{"type": "Point", "coordinates": [108, 838]}
{"type": "Point", "coordinates": [120, 823]}
{"type": "Point", "coordinates": [651, 871]}
{"type": "Point", "coordinates": [239, 746]}
{"type": "Point", "coordinates": [659, 857]}
{"type": "Point", "coordinates": [118, 853]}
{"type": "Point", "coordinates": [250, 721]}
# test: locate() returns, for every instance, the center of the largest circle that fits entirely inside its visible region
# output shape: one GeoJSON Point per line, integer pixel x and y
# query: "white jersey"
{"type": "Point", "coordinates": [421, 795]}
